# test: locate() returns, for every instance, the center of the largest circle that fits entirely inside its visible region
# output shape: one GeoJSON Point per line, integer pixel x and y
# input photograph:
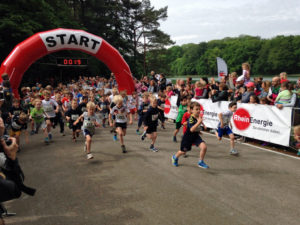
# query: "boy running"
{"type": "Point", "coordinates": [181, 111]}
{"type": "Point", "coordinates": [191, 136]}
{"type": "Point", "coordinates": [151, 122]}
{"type": "Point", "coordinates": [223, 126]}
{"type": "Point", "coordinates": [72, 115]}
{"type": "Point", "coordinates": [90, 121]}
{"type": "Point", "coordinates": [49, 105]}
{"type": "Point", "coordinates": [121, 112]}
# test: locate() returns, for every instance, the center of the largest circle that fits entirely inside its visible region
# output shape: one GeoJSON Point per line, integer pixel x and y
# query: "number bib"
{"type": "Point", "coordinates": [74, 117]}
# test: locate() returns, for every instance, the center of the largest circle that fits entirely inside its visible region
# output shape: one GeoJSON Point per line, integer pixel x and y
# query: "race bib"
{"type": "Point", "coordinates": [88, 124]}
{"type": "Point", "coordinates": [154, 117]}
{"type": "Point", "coordinates": [74, 117]}
{"type": "Point", "coordinates": [48, 108]}
{"type": "Point", "coordinates": [121, 117]}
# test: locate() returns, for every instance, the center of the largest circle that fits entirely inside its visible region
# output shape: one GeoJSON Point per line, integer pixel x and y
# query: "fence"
{"type": "Point", "coordinates": [261, 122]}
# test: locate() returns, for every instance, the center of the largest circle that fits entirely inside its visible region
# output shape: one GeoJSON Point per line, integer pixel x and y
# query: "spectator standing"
{"type": "Point", "coordinates": [248, 93]}
{"type": "Point", "coordinates": [274, 90]}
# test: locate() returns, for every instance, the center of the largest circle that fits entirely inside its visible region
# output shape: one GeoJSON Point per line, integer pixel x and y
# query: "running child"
{"type": "Point", "coordinates": [72, 115]}
{"type": "Point", "coordinates": [161, 109]}
{"type": "Point", "coordinates": [37, 115]}
{"type": "Point", "coordinates": [133, 104]}
{"type": "Point", "coordinates": [142, 110]}
{"type": "Point", "coordinates": [191, 136]}
{"type": "Point", "coordinates": [121, 113]}
{"type": "Point", "coordinates": [90, 121]}
{"type": "Point", "coordinates": [223, 126]}
{"type": "Point", "coordinates": [103, 107]}
{"type": "Point", "coordinates": [49, 106]}
{"type": "Point", "coordinates": [181, 111]}
{"type": "Point", "coordinates": [19, 123]}
{"type": "Point", "coordinates": [151, 122]}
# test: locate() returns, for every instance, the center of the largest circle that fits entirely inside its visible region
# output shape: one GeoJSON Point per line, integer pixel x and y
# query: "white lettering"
{"type": "Point", "coordinates": [71, 39]}
{"type": "Point", "coordinates": [241, 119]}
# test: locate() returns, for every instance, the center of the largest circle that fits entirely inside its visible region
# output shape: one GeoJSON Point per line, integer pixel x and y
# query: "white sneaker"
{"type": "Point", "coordinates": [233, 152]}
{"type": "Point", "coordinates": [89, 156]}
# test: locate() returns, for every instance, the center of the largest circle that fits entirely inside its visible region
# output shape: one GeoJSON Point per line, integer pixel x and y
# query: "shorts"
{"type": "Point", "coordinates": [188, 141]}
{"type": "Point", "coordinates": [104, 115]}
{"type": "Point", "coordinates": [122, 125]}
{"type": "Point", "coordinates": [14, 133]}
{"type": "Point", "coordinates": [178, 125]}
{"type": "Point", "coordinates": [75, 127]}
{"type": "Point", "coordinates": [224, 130]}
{"type": "Point", "coordinates": [151, 129]}
{"type": "Point", "coordinates": [52, 119]}
{"type": "Point", "coordinates": [87, 132]}
{"type": "Point", "coordinates": [133, 111]}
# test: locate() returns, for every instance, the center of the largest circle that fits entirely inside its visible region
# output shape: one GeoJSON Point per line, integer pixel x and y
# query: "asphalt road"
{"type": "Point", "coordinates": [142, 187]}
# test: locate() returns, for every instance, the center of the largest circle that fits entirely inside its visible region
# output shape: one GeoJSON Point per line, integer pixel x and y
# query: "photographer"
{"type": "Point", "coordinates": [11, 174]}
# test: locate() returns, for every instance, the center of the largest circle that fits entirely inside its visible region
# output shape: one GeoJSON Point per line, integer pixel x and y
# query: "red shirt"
{"type": "Point", "coordinates": [185, 118]}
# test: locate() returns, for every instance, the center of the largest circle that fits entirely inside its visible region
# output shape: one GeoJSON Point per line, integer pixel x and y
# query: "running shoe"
{"type": "Point", "coordinates": [174, 139]}
{"type": "Point", "coordinates": [103, 125]}
{"type": "Point", "coordinates": [89, 156]}
{"type": "Point", "coordinates": [123, 148]}
{"type": "Point", "coordinates": [63, 134]}
{"type": "Point", "coordinates": [115, 138]}
{"type": "Point", "coordinates": [174, 160]}
{"type": "Point", "coordinates": [50, 136]}
{"type": "Point", "coordinates": [32, 132]}
{"type": "Point", "coordinates": [202, 164]}
{"type": "Point", "coordinates": [298, 153]}
{"type": "Point", "coordinates": [137, 132]}
{"type": "Point", "coordinates": [163, 127]}
{"type": "Point", "coordinates": [153, 149]}
{"type": "Point", "coordinates": [46, 140]}
{"type": "Point", "coordinates": [143, 137]}
{"type": "Point", "coordinates": [233, 152]}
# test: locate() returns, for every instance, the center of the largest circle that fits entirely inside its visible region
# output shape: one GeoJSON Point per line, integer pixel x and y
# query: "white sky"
{"type": "Point", "coordinates": [194, 21]}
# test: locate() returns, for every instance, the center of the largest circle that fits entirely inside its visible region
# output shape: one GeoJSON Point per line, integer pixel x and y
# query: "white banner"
{"type": "Point", "coordinates": [210, 111]}
{"type": "Point", "coordinates": [263, 122]}
{"type": "Point", "coordinates": [222, 68]}
{"type": "Point", "coordinates": [171, 109]}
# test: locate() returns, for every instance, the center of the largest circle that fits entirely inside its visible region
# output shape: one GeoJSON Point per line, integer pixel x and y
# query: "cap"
{"type": "Point", "coordinates": [240, 78]}
{"type": "Point", "coordinates": [250, 84]}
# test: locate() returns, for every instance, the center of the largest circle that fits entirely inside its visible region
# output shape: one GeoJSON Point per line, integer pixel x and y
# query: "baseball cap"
{"type": "Point", "coordinates": [240, 78]}
{"type": "Point", "coordinates": [250, 84]}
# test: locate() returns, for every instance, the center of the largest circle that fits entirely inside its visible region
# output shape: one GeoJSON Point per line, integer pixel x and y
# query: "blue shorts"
{"type": "Point", "coordinates": [224, 130]}
{"type": "Point", "coordinates": [87, 132]}
{"type": "Point", "coordinates": [188, 141]}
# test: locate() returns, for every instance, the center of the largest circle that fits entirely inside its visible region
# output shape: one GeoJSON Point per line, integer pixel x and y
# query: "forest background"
{"type": "Point", "coordinates": [133, 28]}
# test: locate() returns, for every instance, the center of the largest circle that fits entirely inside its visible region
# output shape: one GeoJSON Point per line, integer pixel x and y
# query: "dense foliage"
{"type": "Point", "coordinates": [131, 26]}
{"type": "Point", "coordinates": [271, 56]}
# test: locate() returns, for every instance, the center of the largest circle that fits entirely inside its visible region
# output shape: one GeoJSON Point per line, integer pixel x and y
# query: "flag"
{"type": "Point", "coordinates": [222, 68]}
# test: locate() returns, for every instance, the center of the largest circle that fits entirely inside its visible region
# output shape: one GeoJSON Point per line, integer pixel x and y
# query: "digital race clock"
{"type": "Point", "coordinates": [71, 62]}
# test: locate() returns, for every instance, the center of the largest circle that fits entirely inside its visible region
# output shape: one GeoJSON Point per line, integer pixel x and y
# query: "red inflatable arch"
{"type": "Point", "coordinates": [43, 43]}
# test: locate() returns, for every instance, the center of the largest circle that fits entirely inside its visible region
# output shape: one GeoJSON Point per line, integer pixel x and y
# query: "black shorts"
{"type": "Point", "coordinates": [87, 132]}
{"type": "Point", "coordinates": [178, 125]}
{"type": "Point", "coordinates": [76, 127]}
{"type": "Point", "coordinates": [151, 129]}
{"type": "Point", "coordinates": [52, 120]}
{"type": "Point", "coordinates": [189, 140]}
{"type": "Point", "coordinates": [122, 125]}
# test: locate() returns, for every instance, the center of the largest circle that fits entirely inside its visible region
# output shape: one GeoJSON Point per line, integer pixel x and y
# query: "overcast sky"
{"type": "Point", "coordinates": [194, 21]}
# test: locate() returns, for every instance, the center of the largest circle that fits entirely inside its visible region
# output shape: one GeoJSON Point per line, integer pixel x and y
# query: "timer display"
{"type": "Point", "coordinates": [71, 62]}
